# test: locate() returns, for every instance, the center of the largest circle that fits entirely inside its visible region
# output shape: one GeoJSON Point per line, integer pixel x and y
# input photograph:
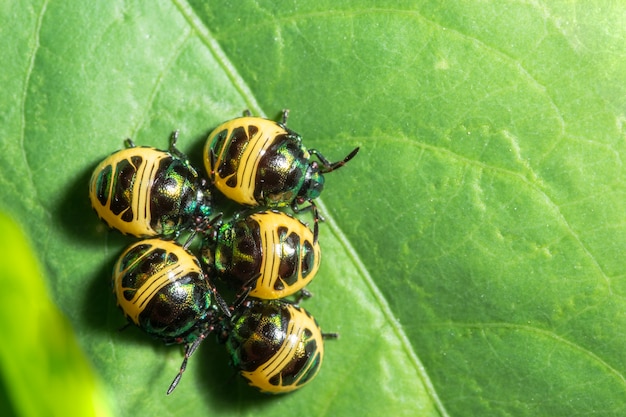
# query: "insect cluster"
{"type": "Point", "coordinates": [266, 256]}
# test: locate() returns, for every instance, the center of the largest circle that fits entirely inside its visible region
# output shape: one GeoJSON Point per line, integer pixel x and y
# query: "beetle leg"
{"type": "Point", "coordinates": [295, 206]}
{"type": "Point", "coordinates": [173, 149]}
{"type": "Point", "coordinates": [284, 116]}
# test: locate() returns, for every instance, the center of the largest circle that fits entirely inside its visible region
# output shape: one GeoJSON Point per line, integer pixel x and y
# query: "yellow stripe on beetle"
{"type": "Point", "coordinates": [148, 192]}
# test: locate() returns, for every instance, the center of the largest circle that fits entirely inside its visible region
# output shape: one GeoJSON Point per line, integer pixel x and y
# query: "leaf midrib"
{"type": "Point", "coordinates": [214, 48]}
{"type": "Point", "coordinates": [246, 93]}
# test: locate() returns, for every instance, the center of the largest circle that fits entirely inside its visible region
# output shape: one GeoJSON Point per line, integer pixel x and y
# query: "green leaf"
{"type": "Point", "coordinates": [39, 355]}
{"type": "Point", "coordinates": [472, 250]}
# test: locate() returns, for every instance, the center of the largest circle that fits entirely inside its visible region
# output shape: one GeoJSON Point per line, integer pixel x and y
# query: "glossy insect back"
{"type": "Point", "coordinates": [264, 254]}
{"type": "Point", "coordinates": [278, 347]}
{"type": "Point", "coordinates": [147, 192]}
{"type": "Point", "coordinates": [161, 288]}
{"type": "Point", "coordinates": [259, 162]}
{"type": "Point", "coordinates": [272, 252]}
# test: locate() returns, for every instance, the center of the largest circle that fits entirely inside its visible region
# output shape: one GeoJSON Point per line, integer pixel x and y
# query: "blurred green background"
{"type": "Point", "coordinates": [472, 251]}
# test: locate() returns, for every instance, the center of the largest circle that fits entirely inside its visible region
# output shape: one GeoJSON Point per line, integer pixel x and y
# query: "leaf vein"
{"type": "Point", "coordinates": [386, 309]}
{"type": "Point", "coordinates": [214, 48]}
{"type": "Point", "coordinates": [177, 50]}
{"type": "Point", "coordinates": [27, 79]}
{"type": "Point", "coordinates": [533, 184]}
{"type": "Point", "coordinates": [550, 335]}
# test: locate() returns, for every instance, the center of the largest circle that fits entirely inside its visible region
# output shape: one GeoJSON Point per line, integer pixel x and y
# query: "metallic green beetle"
{"type": "Point", "coordinates": [259, 162]}
{"type": "Point", "coordinates": [271, 253]}
{"type": "Point", "coordinates": [277, 346]}
{"type": "Point", "coordinates": [148, 192]}
{"type": "Point", "coordinates": [161, 288]}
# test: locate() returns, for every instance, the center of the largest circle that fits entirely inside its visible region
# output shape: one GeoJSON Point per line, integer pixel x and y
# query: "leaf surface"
{"type": "Point", "coordinates": [471, 251]}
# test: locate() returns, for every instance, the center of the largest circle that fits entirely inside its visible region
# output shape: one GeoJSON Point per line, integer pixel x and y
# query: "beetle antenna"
{"type": "Point", "coordinates": [241, 298]}
{"type": "Point", "coordinates": [189, 350]}
{"type": "Point", "coordinates": [190, 238]}
{"type": "Point", "coordinates": [218, 298]}
{"type": "Point", "coordinates": [331, 166]}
